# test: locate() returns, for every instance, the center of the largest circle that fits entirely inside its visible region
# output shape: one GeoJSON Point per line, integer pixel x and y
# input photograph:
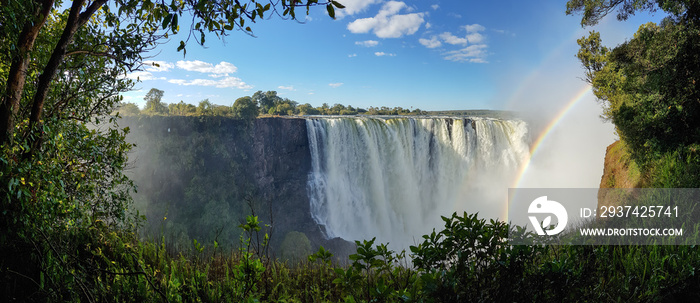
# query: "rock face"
{"type": "Point", "coordinates": [619, 171]}
{"type": "Point", "coordinates": [202, 172]}
{"type": "Point", "coordinates": [281, 164]}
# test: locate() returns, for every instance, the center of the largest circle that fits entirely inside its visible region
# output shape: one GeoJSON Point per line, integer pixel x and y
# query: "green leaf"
{"type": "Point", "coordinates": [331, 11]}
{"type": "Point", "coordinates": [174, 23]}
{"type": "Point", "coordinates": [337, 4]}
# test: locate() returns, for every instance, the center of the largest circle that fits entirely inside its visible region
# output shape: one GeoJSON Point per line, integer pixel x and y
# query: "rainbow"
{"type": "Point", "coordinates": [543, 136]}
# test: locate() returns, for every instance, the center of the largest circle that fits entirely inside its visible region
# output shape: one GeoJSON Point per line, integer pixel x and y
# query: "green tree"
{"type": "Point", "coordinates": [649, 84]}
{"type": "Point", "coordinates": [324, 109]}
{"type": "Point", "coordinates": [245, 108]}
{"type": "Point", "coordinates": [372, 111]}
{"type": "Point", "coordinates": [266, 100]}
{"type": "Point", "coordinates": [336, 109]}
{"type": "Point", "coordinates": [222, 110]}
{"type": "Point", "coordinates": [205, 108]}
{"type": "Point", "coordinates": [307, 109]}
{"type": "Point", "coordinates": [181, 109]}
{"type": "Point", "coordinates": [154, 105]}
{"type": "Point", "coordinates": [592, 11]}
{"type": "Point", "coordinates": [128, 109]}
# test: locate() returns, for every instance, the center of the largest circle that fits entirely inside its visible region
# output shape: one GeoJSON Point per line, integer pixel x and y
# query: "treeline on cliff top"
{"type": "Point", "coordinates": [260, 103]}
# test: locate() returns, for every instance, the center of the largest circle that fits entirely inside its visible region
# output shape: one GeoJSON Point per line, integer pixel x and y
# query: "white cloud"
{"type": "Point", "coordinates": [335, 85]}
{"type": "Point", "coordinates": [140, 75]}
{"type": "Point", "coordinates": [291, 87]}
{"type": "Point", "coordinates": [157, 66]}
{"type": "Point", "coordinates": [435, 6]}
{"type": "Point", "coordinates": [504, 32]}
{"type": "Point", "coordinates": [205, 67]}
{"type": "Point", "coordinates": [216, 75]}
{"type": "Point", "coordinates": [353, 7]}
{"type": "Point", "coordinates": [178, 81]}
{"type": "Point", "coordinates": [473, 28]}
{"type": "Point", "coordinates": [433, 42]}
{"type": "Point", "coordinates": [352, 55]}
{"type": "Point", "coordinates": [475, 53]}
{"type": "Point", "coordinates": [387, 23]}
{"type": "Point", "coordinates": [367, 43]}
{"type": "Point", "coordinates": [473, 49]}
{"type": "Point", "coordinates": [452, 39]}
{"type": "Point", "coordinates": [475, 38]}
{"type": "Point", "coordinates": [225, 82]}
{"type": "Point", "coordinates": [381, 54]}
{"type": "Point", "coordinates": [428, 25]}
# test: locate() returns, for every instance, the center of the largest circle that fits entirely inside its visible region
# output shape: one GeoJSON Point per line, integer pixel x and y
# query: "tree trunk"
{"type": "Point", "coordinates": [74, 22]}
{"type": "Point", "coordinates": [18, 71]}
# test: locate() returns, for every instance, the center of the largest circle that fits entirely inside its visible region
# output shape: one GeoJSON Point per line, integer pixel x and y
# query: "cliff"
{"type": "Point", "coordinates": [619, 171]}
{"type": "Point", "coordinates": [199, 177]}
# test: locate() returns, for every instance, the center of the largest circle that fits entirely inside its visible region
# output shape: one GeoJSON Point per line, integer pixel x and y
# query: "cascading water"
{"type": "Point", "coordinates": [392, 178]}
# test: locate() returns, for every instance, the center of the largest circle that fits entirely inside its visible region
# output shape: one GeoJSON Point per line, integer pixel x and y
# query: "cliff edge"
{"type": "Point", "coordinates": [619, 171]}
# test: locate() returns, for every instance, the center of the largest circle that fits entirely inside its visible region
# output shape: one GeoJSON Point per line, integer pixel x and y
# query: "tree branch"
{"type": "Point", "coordinates": [74, 22]}
{"type": "Point", "coordinates": [18, 70]}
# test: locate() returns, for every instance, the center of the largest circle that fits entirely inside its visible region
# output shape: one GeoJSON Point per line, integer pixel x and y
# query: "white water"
{"type": "Point", "coordinates": [393, 178]}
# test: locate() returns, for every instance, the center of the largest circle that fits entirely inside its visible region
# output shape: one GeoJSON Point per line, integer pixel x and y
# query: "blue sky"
{"type": "Point", "coordinates": [433, 55]}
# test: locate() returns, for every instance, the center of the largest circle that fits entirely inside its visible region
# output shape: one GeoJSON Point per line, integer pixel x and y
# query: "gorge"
{"type": "Point", "coordinates": [334, 179]}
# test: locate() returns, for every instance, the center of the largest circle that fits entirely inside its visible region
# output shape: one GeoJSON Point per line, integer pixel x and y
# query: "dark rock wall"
{"type": "Point", "coordinates": [281, 164]}
{"type": "Point", "coordinates": [202, 172]}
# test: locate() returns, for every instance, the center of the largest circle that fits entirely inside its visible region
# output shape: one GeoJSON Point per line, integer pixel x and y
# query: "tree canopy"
{"type": "Point", "coordinates": [245, 108]}
{"type": "Point", "coordinates": [592, 11]}
{"type": "Point", "coordinates": [153, 102]}
{"type": "Point", "coordinates": [649, 85]}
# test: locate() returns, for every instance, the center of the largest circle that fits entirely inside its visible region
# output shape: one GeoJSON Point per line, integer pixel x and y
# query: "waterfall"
{"type": "Point", "coordinates": [392, 178]}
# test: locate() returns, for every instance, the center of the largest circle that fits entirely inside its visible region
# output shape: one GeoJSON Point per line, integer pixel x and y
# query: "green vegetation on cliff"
{"type": "Point", "coordinates": [650, 87]}
{"type": "Point", "coordinates": [620, 170]}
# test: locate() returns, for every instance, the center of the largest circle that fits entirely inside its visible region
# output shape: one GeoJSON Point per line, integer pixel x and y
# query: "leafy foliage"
{"type": "Point", "coordinates": [650, 86]}
{"type": "Point", "coordinates": [68, 233]}
{"type": "Point", "coordinates": [154, 105]}
{"type": "Point", "coordinates": [440, 272]}
{"type": "Point", "coordinates": [594, 10]}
